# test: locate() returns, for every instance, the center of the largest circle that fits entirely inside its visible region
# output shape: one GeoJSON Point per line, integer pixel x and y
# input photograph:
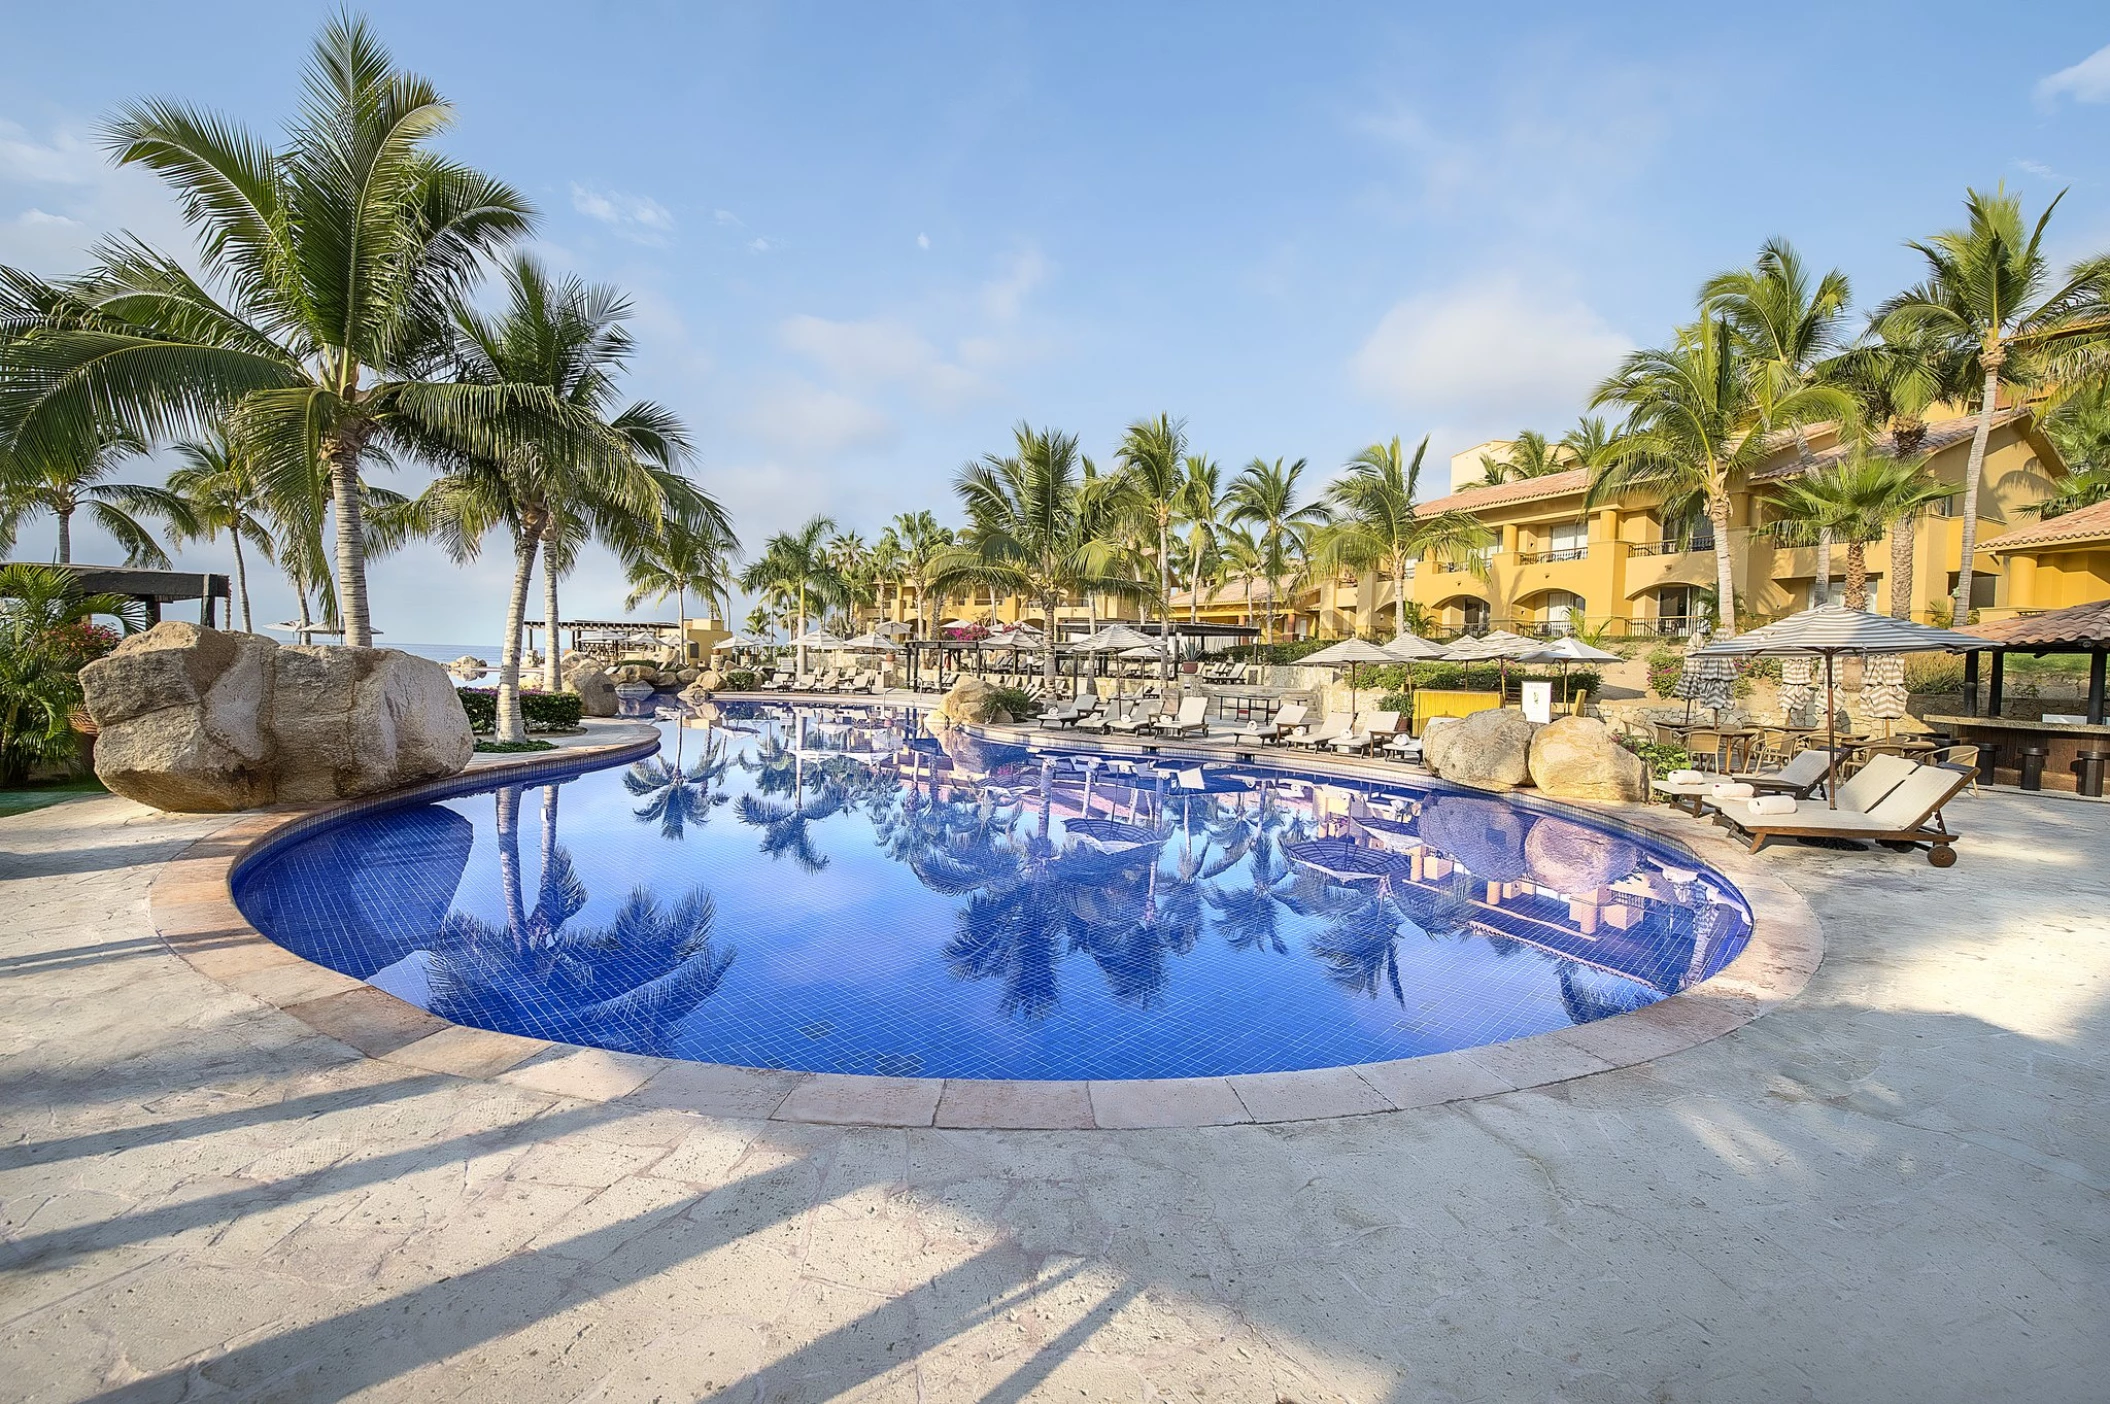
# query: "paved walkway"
{"type": "Point", "coordinates": [1893, 1189]}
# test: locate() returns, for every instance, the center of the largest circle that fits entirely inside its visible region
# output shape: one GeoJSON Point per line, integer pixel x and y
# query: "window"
{"type": "Point", "coordinates": [1560, 612]}
{"type": "Point", "coordinates": [1569, 536]}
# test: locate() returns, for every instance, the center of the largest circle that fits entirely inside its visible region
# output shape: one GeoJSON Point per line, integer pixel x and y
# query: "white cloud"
{"type": "Point", "coordinates": [2086, 81]}
{"type": "Point", "coordinates": [1005, 295]}
{"type": "Point", "coordinates": [1494, 353]}
{"type": "Point", "coordinates": [760, 245]}
{"type": "Point", "coordinates": [800, 417]}
{"type": "Point", "coordinates": [725, 217]}
{"type": "Point", "coordinates": [2038, 169]}
{"type": "Point", "coordinates": [923, 241]}
{"type": "Point", "coordinates": [59, 193]}
{"type": "Point", "coordinates": [639, 218]}
{"type": "Point", "coordinates": [872, 353]}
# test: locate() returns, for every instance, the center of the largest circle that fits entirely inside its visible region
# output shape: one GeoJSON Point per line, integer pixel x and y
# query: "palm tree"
{"type": "Point", "coordinates": [1150, 458]}
{"type": "Point", "coordinates": [677, 796]}
{"type": "Point", "coordinates": [922, 541]}
{"type": "Point", "coordinates": [679, 562]}
{"type": "Point", "coordinates": [220, 489]}
{"type": "Point", "coordinates": [1589, 443]}
{"type": "Point", "coordinates": [66, 478]}
{"type": "Point", "coordinates": [1200, 508]}
{"type": "Point", "coordinates": [1699, 414]}
{"type": "Point", "coordinates": [797, 564]}
{"type": "Point", "coordinates": [1374, 523]}
{"type": "Point", "coordinates": [1264, 496]}
{"type": "Point", "coordinates": [1857, 500]}
{"type": "Point", "coordinates": [1031, 531]}
{"type": "Point", "coordinates": [1988, 299]}
{"type": "Point", "coordinates": [1240, 558]}
{"type": "Point", "coordinates": [320, 331]}
{"type": "Point", "coordinates": [566, 339]}
{"type": "Point", "coordinates": [2080, 428]}
{"type": "Point", "coordinates": [1529, 455]}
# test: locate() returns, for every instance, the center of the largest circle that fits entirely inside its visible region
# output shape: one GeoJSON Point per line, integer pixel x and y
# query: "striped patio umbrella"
{"type": "Point", "coordinates": [1796, 693]}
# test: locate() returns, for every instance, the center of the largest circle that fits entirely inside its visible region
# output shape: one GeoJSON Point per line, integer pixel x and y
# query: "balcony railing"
{"type": "Point", "coordinates": [1666, 548]}
{"type": "Point", "coordinates": [1564, 553]}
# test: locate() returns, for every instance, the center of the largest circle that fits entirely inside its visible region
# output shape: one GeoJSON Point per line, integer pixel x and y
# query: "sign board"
{"type": "Point", "coordinates": [1538, 702]}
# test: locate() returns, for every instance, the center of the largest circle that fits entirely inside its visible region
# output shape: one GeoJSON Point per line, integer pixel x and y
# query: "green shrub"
{"type": "Point", "coordinates": [1661, 757]}
{"type": "Point", "coordinates": [1665, 667]}
{"type": "Point", "coordinates": [1933, 673]}
{"type": "Point", "coordinates": [509, 748]}
{"type": "Point", "coordinates": [740, 680]}
{"type": "Point", "coordinates": [1017, 702]}
{"type": "Point", "coordinates": [542, 711]}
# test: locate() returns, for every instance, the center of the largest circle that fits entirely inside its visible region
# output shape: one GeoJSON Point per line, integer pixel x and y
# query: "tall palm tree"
{"type": "Point", "coordinates": [2080, 427]}
{"type": "Point", "coordinates": [319, 332]}
{"type": "Point", "coordinates": [1241, 559]}
{"type": "Point", "coordinates": [1990, 300]}
{"type": "Point", "coordinates": [1150, 459]}
{"type": "Point", "coordinates": [1031, 532]}
{"type": "Point", "coordinates": [1529, 455]}
{"type": "Point", "coordinates": [1699, 413]}
{"type": "Point", "coordinates": [923, 541]}
{"type": "Point", "coordinates": [1264, 496]}
{"type": "Point", "coordinates": [679, 562]}
{"type": "Point", "coordinates": [566, 339]}
{"type": "Point", "coordinates": [1589, 443]}
{"type": "Point", "coordinates": [1374, 523]}
{"type": "Point", "coordinates": [1200, 509]}
{"type": "Point", "coordinates": [67, 478]}
{"type": "Point", "coordinates": [1791, 327]}
{"type": "Point", "coordinates": [797, 564]}
{"type": "Point", "coordinates": [221, 490]}
{"type": "Point", "coordinates": [1857, 500]}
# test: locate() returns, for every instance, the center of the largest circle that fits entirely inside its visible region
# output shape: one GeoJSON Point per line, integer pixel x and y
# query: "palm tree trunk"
{"type": "Point", "coordinates": [1904, 545]}
{"type": "Point", "coordinates": [340, 453]}
{"type": "Point", "coordinates": [65, 516]}
{"type": "Point", "coordinates": [509, 876]}
{"type": "Point", "coordinates": [1972, 470]}
{"type": "Point", "coordinates": [1399, 593]}
{"type": "Point", "coordinates": [511, 726]}
{"type": "Point", "coordinates": [241, 579]}
{"type": "Point", "coordinates": [552, 667]}
{"type": "Point", "coordinates": [1821, 586]}
{"type": "Point", "coordinates": [300, 593]}
{"type": "Point", "coordinates": [1857, 574]}
{"type": "Point", "coordinates": [1047, 655]}
{"type": "Point", "coordinates": [1165, 598]}
{"type": "Point", "coordinates": [1724, 568]}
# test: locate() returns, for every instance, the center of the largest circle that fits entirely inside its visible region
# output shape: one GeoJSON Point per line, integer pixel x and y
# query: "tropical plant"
{"type": "Point", "coordinates": [1590, 443]}
{"type": "Point", "coordinates": [1374, 523]}
{"type": "Point", "coordinates": [1699, 414]}
{"type": "Point", "coordinates": [796, 563]}
{"type": "Point", "coordinates": [1528, 455]}
{"type": "Point", "coordinates": [1790, 326]}
{"type": "Point", "coordinates": [1264, 497]}
{"type": "Point", "coordinates": [2080, 428]}
{"type": "Point", "coordinates": [1150, 460]}
{"type": "Point", "coordinates": [922, 541]}
{"type": "Point", "coordinates": [1032, 531]}
{"type": "Point", "coordinates": [566, 339]}
{"type": "Point", "coordinates": [68, 477]}
{"type": "Point", "coordinates": [320, 331]}
{"type": "Point", "coordinates": [1858, 500]}
{"type": "Point", "coordinates": [679, 562]}
{"type": "Point", "coordinates": [221, 493]}
{"type": "Point", "coordinates": [1200, 516]}
{"type": "Point", "coordinates": [46, 636]}
{"type": "Point", "coordinates": [1989, 300]}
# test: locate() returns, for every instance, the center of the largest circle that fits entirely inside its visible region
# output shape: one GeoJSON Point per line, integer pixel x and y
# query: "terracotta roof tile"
{"type": "Point", "coordinates": [1502, 494]}
{"type": "Point", "coordinates": [2076, 624]}
{"type": "Point", "coordinates": [1946, 434]}
{"type": "Point", "coordinates": [2086, 524]}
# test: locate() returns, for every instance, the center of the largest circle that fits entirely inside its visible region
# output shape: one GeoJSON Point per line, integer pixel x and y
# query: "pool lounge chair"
{"type": "Point", "coordinates": [1142, 718]}
{"type": "Point", "coordinates": [779, 681]}
{"type": "Point", "coordinates": [1800, 777]}
{"type": "Point", "coordinates": [1403, 745]}
{"type": "Point", "coordinates": [1070, 713]}
{"type": "Point", "coordinates": [1909, 816]}
{"type": "Point", "coordinates": [1193, 719]}
{"type": "Point", "coordinates": [1336, 725]}
{"type": "Point", "coordinates": [1283, 722]}
{"type": "Point", "coordinates": [1368, 728]}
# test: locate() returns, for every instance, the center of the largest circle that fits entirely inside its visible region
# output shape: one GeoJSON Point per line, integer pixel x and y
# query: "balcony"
{"type": "Point", "coordinates": [1565, 553]}
{"type": "Point", "coordinates": [1666, 548]}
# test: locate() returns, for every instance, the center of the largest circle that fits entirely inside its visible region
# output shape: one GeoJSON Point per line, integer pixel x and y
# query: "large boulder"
{"type": "Point", "coordinates": [596, 691]}
{"type": "Point", "coordinates": [185, 718]}
{"type": "Point", "coordinates": [363, 721]}
{"type": "Point", "coordinates": [1488, 750]}
{"type": "Point", "coordinates": [194, 719]}
{"type": "Point", "coordinates": [971, 700]}
{"type": "Point", "coordinates": [1580, 758]}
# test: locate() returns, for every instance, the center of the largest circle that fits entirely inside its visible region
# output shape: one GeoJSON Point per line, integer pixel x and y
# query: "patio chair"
{"type": "Point", "coordinates": [1192, 720]}
{"type": "Point", "coordinates": [1908, 817]}
{"type": "Point", "coordinates": [1141, 718]}
{"type": "Point", "coordinates": [777, 681]}
{"type": "Point", "coordinates": [1403, 745]}
{"type": "Point", "coordinates": [1369, 727]}
{"type": "Point", "coordinates": [1275, 728]}
{"type": "Point", "coordinates": [1800, 777]}
{"type": "Point", "coordinates": [1070, 713]}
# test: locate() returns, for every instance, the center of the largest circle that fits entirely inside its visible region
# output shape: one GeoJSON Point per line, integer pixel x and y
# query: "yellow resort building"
{"type": "Point", "coordinates": [1624, 566]}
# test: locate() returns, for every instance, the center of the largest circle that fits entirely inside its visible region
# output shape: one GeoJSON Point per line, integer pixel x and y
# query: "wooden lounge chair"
{"type": "Point", "coordinates": [1906, 818]}
{"type": "Point", "coordinates": [1283, 722]}
{"type": "Point", "coordinates": [1800, 777]}
{"type": "Point", "coordinates": [1141, 718]}
{"type": "Point", "coordinates": [1402, 745]}
{"type": "Point", "coordinates": [1335, 726]}
{"type": "Point", "coordinates": [1368, 728]}
{"type": "Point", "coordinates": [1193, 719]}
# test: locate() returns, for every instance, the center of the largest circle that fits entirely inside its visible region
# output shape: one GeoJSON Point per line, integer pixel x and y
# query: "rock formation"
{"type": "Point", "coordinates": [194, 719]}
{"type": "Point", "coordinates": [596, 691]}
{"type": "Point", "coordinates": [1580, 758]}
{"type": "Point", "coordinates": [1488, 750]}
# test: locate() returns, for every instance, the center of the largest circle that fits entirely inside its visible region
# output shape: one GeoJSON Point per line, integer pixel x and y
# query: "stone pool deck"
{"type": "Point", "coordinates": [1894, 1187]}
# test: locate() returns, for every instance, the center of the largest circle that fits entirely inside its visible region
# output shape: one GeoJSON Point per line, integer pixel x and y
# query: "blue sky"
{"type": "Point", "coordinates": [865, 240]}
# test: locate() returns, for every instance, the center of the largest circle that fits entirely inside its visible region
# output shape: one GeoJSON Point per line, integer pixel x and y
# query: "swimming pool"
{"type": "Point", "coordinates": [824, 888]}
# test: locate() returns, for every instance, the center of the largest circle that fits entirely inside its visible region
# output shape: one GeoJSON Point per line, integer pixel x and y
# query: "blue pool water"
{"type": "Point", "coordinates": [826, 889]}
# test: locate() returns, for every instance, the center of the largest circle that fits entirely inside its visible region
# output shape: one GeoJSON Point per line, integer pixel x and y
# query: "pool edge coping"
{"type": "Point", "coordinates": [191, 906]}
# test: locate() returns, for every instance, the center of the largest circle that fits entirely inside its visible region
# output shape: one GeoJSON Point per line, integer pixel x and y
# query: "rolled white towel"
{"type": "Point", "coordinates": [1733, 789]}
{"type": "Point", "coordinates": [1685, 777]}
{"type": "Point", "coordinates": [1771, 804]}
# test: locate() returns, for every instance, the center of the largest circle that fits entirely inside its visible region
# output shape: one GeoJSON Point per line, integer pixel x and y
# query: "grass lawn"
{"type": "Point", "coordinates": [45, 792]}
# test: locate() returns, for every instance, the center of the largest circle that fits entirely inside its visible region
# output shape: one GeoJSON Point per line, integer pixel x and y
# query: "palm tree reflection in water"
{"type": "Point", "coordinates": [675, 796]}
{"type": "Point", "coordinates": [625, 984]}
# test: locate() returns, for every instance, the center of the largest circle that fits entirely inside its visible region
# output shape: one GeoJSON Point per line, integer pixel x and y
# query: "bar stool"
{"type": "Point", "coordinates": [2090, 765]}
{"type": "Point", "coordinates": [2032, 758]}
